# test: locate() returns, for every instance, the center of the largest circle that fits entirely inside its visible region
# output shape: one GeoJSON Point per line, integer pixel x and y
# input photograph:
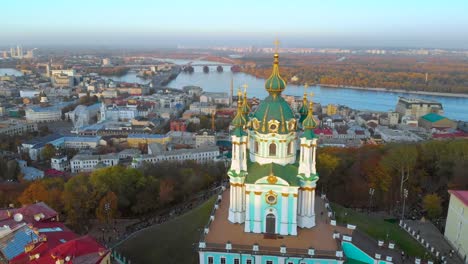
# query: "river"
{"type": "Point", "coordinates": [9, 71]}
{"type": "Point", "coordinates": [454, 107]}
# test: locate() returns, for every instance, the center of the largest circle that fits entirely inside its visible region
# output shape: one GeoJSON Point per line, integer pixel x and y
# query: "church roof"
{"type": "Point", "coordinates": [309, 123]}
{"type": "Point", "coordinates": [287, 172]}
{"type": "Point", "coordinates": [239, 120]}
{"type": "Point", "coordinates": [275, 84]}
{"type": "Point", "coordinates": [273, 108]}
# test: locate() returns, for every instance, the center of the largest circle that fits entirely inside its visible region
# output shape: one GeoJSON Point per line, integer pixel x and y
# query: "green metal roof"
{"type": "Point", "coordinates": [274, 108]}
{"type": "Point", "coordinates": [433, 117]}
{"type": "Point", "coordinates": [309, 134]}
{"type": "Point", "coordinates": [287, 172]}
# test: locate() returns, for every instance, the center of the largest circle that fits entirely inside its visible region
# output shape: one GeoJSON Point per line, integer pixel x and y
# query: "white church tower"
{"type": "Point", "coordinates": [272, 182]}
{"type": "Point", "coordinates": [307, 171]}
{"type": "Point", "coordinates": [238, 169]}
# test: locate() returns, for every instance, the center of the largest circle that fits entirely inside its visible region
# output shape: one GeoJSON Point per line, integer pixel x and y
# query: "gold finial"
{"type": "Point", "coordinates": [245, 87]}
{"type": "Point", "coordinates": [306, 85]}
{"type": "Point", "coordinates": [276, 42]}
{"type": "Point", "coordinates": [311, 103]}
{"type": "Point", "coordinates": [239, 97]}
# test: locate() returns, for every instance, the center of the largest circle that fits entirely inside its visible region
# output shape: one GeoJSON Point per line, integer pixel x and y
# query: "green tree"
{"type": "Point", "coordinates": [326, 165]}
{"type": "Point", "coordinates": [48, 152]}
{"type": "Point", "coordinates": [433, 205]}
{"type": "Point", "coordinates": [401, 159]}
{"type": "Point", "coordinates": [79, 202]}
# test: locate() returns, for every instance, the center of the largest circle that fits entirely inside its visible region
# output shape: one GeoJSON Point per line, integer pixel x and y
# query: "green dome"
{"type": "Point", "coordinates": [303, 111]}
{"type": "Point", "coordinates": [273, 108]}
{"type": "Point", "coordinates": [275, 84]}
{"type": "Point", "coordinates": [309, 123]}
{"type": "Point", "coordinates": [239, 120]}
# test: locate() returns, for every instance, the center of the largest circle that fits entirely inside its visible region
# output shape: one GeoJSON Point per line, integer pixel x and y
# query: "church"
{"type": "Point", "coordinates": [270, 213]}
{"type": "Point", "coordinates": [272, 175]}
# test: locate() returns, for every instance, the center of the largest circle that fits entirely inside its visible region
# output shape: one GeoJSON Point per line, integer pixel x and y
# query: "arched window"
{"type": "Point", "coordinates": [255, 147]}
{"type": "Point", "coordinates": [272, 149]}
{"type": "Point", "coordinates": [290, 146]}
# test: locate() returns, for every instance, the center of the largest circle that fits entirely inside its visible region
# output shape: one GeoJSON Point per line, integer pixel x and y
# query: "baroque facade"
{"type": "Point", "coordinates": [272, 174]}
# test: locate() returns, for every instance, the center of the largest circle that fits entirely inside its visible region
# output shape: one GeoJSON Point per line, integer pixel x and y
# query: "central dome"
{"type": "Point", "coordinates": [274, 115]}
{"type": "Point", "coordinates": [275, 84]}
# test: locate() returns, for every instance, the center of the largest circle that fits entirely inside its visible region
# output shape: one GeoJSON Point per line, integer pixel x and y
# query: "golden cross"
{"type": "Point", "coordinates": [245, 87]}
{"type": "Point", "coordinates": [276, 42]}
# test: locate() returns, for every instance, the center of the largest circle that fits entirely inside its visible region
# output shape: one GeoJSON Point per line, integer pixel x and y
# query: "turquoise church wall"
{"type": "Point", "coordinates": [262, 259]}
{"type": "Point", "coordinates": [353, 252]}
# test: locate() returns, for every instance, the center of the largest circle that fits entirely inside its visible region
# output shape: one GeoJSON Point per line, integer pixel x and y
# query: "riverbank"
{"type": "Point", "coordinates": [390, 90]}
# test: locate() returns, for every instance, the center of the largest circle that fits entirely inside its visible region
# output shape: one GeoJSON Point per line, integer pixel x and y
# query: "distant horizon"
{"type": "Point", "coordinates": [313, 23]}
{"type": "Point", "coordinates": [179, 46]}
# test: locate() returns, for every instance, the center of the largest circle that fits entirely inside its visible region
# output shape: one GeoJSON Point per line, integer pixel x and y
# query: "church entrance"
{"type": "Point", "coordinates": [270, 223]}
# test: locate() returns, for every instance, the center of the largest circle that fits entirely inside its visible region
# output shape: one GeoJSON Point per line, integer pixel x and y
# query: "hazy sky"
{"type": "Point", "coordinates": [367, 23]}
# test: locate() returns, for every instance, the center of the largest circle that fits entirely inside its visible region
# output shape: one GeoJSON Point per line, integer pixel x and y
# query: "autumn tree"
{"type": "Point", "coordinates": [433, 205]}
{"type": "Point", "coordinates": [36, 192]}
{"type": "Point", "coordinates": [401, 159]}
{"type": "Point", "coordinates": [107, 208]}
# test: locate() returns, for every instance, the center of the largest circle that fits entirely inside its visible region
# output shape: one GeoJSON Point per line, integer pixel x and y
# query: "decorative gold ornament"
{"type": "Point", "coordinates": [292, 124]}
{"type": "Point", "coordinates": [273, 126]}
{"type": "Point", "coordinates": [272, 179]}
{"type": "Point", "coordinates": [271, 197]}
{"type": "Point", "coordinates": [255, 124]}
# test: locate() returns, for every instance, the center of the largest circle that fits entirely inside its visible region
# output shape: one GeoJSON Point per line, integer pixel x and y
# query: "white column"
{"type": "Point", "coordinates": [313, 160]}
{"type": "Point", "coordinates": [236, 198]}
{"type": "Point", "coordinates": [313, 202]}
{"type": "Point", "coordinates": [284, 215]}
{"type": "Point", "coordinates": [299, 208]}
{"type": "Point", "coordinates": [231, 197]}
{"type": "Point", "coordinates": [294, 215]}
{"type": "Point", "coordinates": [201, 256]}
{"type": "Point", "coordinates": [247, 209]}
{"type": "Point", "coordinates": [257, 214]}
{"type": "Point", "coordinates": [243, 198]}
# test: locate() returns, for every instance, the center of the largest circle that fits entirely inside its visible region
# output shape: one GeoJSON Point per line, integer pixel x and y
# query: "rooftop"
{"type": "Point", "coordinates": [416, 101]}
{"type": "Point", "coordinates": [462, 195]}
{"type": "Point", "coordinates": [221, 231]}
{"type": "Point", "coordinates": [95, 157]}
{"type": "Point", "coordinates": [147, 136]}
{"type": "Point", "coordinates": [433, 117]}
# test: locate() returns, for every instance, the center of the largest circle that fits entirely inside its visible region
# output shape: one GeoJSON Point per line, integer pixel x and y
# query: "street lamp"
{"type": "Point", "coordinates": [371, 193]}
{"type": "Point", "coordinates": [405, 195]}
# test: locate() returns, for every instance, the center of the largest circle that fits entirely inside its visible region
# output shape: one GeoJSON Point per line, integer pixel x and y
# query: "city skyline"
{"type": "Point", "coordinates": [427, 24]}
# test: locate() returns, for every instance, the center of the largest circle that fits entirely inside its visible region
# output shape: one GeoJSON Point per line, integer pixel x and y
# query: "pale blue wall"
{"type": "Point", "coordinates": [263, 259]}
{"type": "Point", "coordinates": [353, 252]}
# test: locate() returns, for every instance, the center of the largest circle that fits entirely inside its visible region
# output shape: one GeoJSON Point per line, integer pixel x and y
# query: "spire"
{"type": "Point", "coordinates": [303, 111]}
{"type": "Point", "coordinates": [239, 120]}
{"type": "Point", "coordinates": [275, 84]}
{"type": "Point", "coordinates": [309, 122]}
{"type": "Point", "coordinates": [245, 104]}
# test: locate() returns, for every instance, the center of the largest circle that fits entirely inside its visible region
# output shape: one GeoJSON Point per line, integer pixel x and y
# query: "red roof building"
{"type": "Point", "coordinates": [32, 234]}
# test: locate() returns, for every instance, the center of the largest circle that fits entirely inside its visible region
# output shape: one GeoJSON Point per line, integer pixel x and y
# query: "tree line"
{"type": "Point", "coordinates": [448, 75]}
{"type": "Point", "coordinates": [117, 191]}
{"type": "Point", "coordinates": [427, 170]}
